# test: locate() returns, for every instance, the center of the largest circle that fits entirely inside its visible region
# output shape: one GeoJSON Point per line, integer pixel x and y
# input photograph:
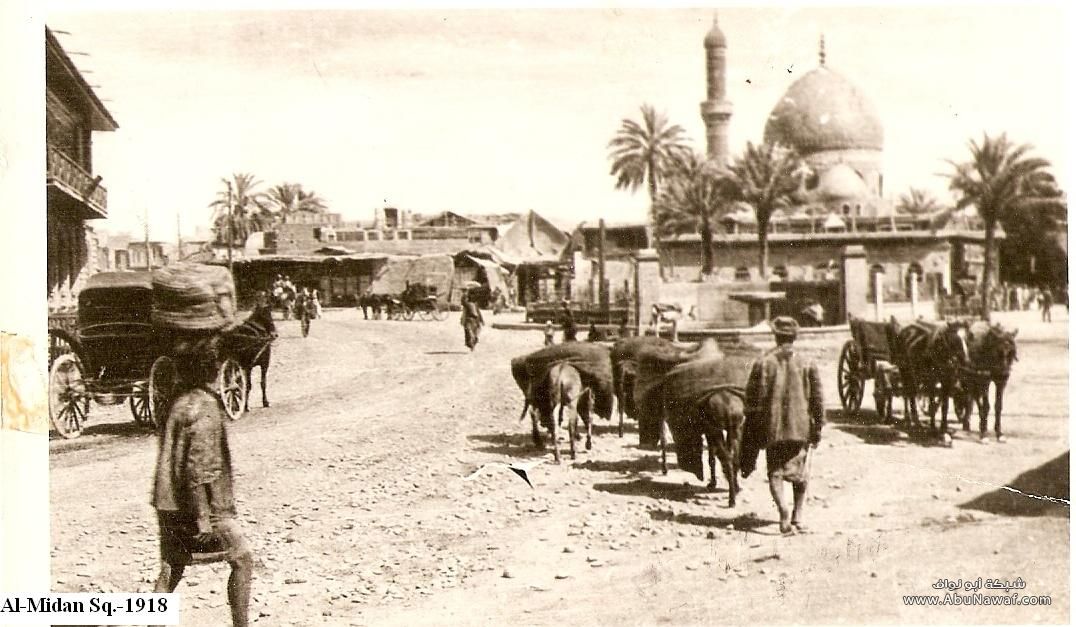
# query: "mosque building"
{"type": "Point", "coordinates": [835, 128]}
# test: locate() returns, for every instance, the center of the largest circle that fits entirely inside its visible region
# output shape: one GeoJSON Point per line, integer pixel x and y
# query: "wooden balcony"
{"type": "Point", "coordinates": [73, 189]}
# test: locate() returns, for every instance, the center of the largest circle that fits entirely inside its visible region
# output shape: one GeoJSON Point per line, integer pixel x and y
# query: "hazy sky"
{"type": "Point", "coordinates": [498, 111]}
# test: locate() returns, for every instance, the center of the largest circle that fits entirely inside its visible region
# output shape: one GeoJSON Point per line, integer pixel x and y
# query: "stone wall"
{"type": "Point", "coordinates": [802, 260]}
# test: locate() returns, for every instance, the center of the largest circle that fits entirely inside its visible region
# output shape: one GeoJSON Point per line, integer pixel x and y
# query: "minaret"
{"type": "Point", "coordinates": [716, 111]}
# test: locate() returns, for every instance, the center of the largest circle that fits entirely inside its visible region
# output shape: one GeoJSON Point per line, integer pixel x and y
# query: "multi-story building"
{"type": "Point", "coordinates": [75, 195]}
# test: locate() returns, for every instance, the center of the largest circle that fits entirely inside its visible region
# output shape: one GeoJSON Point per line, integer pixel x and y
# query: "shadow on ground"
{"type": "Point", "coordinates": [1042, 491]}
{"type": "Point", "coordinates": [741, 522]}
{"type": "Point", "coordinates": [654, 489]}
{"type": "Point", "coordinates": [868, 426]}
{"type": "Point", "coordinates": [512, 444]}
{"type": "Point", "coordinates": [625, 466]}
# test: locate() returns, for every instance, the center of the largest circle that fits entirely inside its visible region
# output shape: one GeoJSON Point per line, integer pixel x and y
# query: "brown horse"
{"type": "Point", "coordinates": [251, 345]}
{"type": "Point", "coordinates": [930, 358]}
{"type": "Point", "coordinates": [992, 353]}
{"type": "Point", "coordinates": [562, 388]}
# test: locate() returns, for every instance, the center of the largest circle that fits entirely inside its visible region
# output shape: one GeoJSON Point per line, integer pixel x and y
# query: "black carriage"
{"type": "Point", "coordinates": [115, 355]}
{"type": "Point", "coordinates": [871, 355]}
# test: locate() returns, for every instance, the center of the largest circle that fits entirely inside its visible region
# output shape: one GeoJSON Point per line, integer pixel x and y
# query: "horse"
{"type": "Point", "coordinates": [992, 353]}
{"type": "Point", "coordinates": [251, 345]}
{"type": "Point", "coordinates": [561, 388]}
{"type": "Point", "coordinates": [930, 357]}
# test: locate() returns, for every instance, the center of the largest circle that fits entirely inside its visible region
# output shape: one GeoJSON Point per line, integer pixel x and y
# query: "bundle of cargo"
{"type": "Point", "coordinates": [653, 363]}
{"type": "Point", "coordinates": [591, 360]}
{"type": "Point", "coordinates": [681, 393]}
{"type": "Point", "coordinates": [193, 297]}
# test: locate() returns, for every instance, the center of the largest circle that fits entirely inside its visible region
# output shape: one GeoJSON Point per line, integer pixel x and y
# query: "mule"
{"type": "Point", "coordinates": [992, 353]}
{"type": "Point", "coordinates": [930, 358]}
{"type": "Point", "coordinates": [562, 389]}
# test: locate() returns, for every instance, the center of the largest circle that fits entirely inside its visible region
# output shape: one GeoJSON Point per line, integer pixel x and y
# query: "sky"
{"type": "Point", "coordinates": [496, 111]}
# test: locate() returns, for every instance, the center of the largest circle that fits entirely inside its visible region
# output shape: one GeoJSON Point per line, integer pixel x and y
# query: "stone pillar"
{"type": "Point", "coordinates": [647, 285]}
{"type": "Point", "coordinates": [879, 296]}
{"type": "Point", "coordinates": [854, 277]}
{"type": "Point", "coordinates": [913, 278]}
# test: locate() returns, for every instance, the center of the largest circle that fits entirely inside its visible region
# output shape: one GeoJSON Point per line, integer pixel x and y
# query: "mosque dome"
{"type": "Point", "coordinates": [841, 181]}
{"type": "Point", "coordinates": [824, 111]}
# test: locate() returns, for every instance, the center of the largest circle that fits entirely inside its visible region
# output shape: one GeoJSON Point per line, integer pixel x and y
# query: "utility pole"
{"type": "Point", "coordinates": [603, 293]}
{"type": "Point", "coordinates": [231, 228]}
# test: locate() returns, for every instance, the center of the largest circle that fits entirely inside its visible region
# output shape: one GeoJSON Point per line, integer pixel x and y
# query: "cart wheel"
{"type": "Point", "coordinates": [423, 314]}
{"type": "Point", "coordinates": [439, 313]}
{"type": "Point", "coordinates": [139, 403]}
{"type": "Point", "coordinates": [161, 385]}
{"type": "Point", "coordinates": [232, 383]}
{"type": "Point", "coordinates": [409, 314]}
{"type": "Point", "coordinates": [68, 401]}
{"type": "Point", "coordinates": [849, 378]}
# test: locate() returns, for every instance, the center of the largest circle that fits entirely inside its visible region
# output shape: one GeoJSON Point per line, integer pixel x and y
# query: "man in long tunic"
{"type": "Point", "coordinates": [471, 319]}
{"type": "Point", "coordinates": [192, 488]}
{"type": "Point", "coordinates": [783, 406]}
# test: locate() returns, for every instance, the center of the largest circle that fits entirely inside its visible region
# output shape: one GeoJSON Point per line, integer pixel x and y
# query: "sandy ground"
{"type": "Point", "coordinates": [352, 495]}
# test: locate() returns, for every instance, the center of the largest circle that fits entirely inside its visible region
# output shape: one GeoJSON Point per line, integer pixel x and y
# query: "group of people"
{"type": "Point", "coordinates": [303, 302]}
{"type": "Point", "coordinates": [1010, 297]}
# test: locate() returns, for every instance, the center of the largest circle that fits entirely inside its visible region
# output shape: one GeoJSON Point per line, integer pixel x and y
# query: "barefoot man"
{"type": "Point", "coordinates": [783, 405]}
{"type": "Point", "coordinates": [192, 489]}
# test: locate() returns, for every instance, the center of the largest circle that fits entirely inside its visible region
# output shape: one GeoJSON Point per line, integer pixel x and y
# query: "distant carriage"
{"type": "Point", "coordinates": [417, 300]}
{"type": "Point", "coordinates": [115, 355]}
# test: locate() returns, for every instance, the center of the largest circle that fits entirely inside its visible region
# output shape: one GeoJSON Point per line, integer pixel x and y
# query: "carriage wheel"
{"type": "Point", "coordinates": [139, 403]}
{"type": "Point", "coordinates": [409, 314]}
{"type": "Point", "coordinates": [849, 378]}
{"type": "Point", "coordinates": [68, 401]}
{"type": "Point", "coordinates": [438, 313]}
{"type": "Point", "coordinates": [232, 383]}
{"type": "Point", "coordinates": [424, 314]}
{"type": "Point", "coordinates": [161, 385]}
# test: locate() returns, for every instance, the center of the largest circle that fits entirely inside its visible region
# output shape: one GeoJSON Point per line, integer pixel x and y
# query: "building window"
{"type": "Point", "coordinates": [743, 274]}
{"type": "Point", "coordinates": [846, 210]}
{"type": "Point", "coordinates": [913, 269]}
{"type": "Point", "coordinates": [859, 210]}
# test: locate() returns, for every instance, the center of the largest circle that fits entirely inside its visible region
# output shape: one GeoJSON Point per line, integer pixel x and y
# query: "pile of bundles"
{"type": "Point", "coordinates": [653, 362]}
{"type": "Point", "coordinates": [190, 297]}
{"type": "Point", "coordinates": [625, 356]}
{"type": "Point", "coordinates": [591, 360]}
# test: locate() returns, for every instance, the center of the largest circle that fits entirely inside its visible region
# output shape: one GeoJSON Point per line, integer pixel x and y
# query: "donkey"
{"type": "Point", "coordinates": [930, 357]}
{"type": "Point", "coordinates": [719, 417]}
{"type": "Point", "coordinates": [561, 389]}
{"type": "Point", "coordinates": [992, 351]}
{"type": "Point", "coordinates": [251, 345]}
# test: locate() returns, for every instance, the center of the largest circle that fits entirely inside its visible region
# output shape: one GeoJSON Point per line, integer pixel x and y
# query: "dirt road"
{"type": "Point", "coordinates": [351, 493]}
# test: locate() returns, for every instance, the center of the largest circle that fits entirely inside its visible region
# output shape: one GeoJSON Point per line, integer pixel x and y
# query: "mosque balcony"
{"type": "Point", "coordinates": [721, 109]}
{"type": "Point", "coordinates": [72, 189]}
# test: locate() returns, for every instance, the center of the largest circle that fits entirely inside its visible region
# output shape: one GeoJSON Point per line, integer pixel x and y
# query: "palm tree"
{"type": "Point", "coordinates": [289, 198]}
{"type": "Point", "coordinates": [765, 177]}
{"type": "Point", "coordinates": [240, 209]}
{"type": "Point", "coordinates": [646, 152]}
{"type": "Point", "coordinates": [692, 199]}
{"type": "Point", "coordinates": [999, 180]}
{"type": "Point", "coordinates": [917, 202]}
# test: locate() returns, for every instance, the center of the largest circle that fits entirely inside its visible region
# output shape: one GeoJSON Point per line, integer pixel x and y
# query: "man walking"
{"type": "Point", "coordinates": [783, 407]}
{"type": "Point", "coordinates": [1046, 302]}
{"type": "Point", "coordinates": [471, 320]}
{"type": "Point", "coordinates": [192, 490]}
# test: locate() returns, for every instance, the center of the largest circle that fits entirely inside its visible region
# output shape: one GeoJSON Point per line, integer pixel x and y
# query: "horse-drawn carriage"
{"type": "Point", "coordinates": [921, 362]}
{"type": "Point", "coordinates": [117, 355]}
{"type": "Point", "coordinates": [418, 300]}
